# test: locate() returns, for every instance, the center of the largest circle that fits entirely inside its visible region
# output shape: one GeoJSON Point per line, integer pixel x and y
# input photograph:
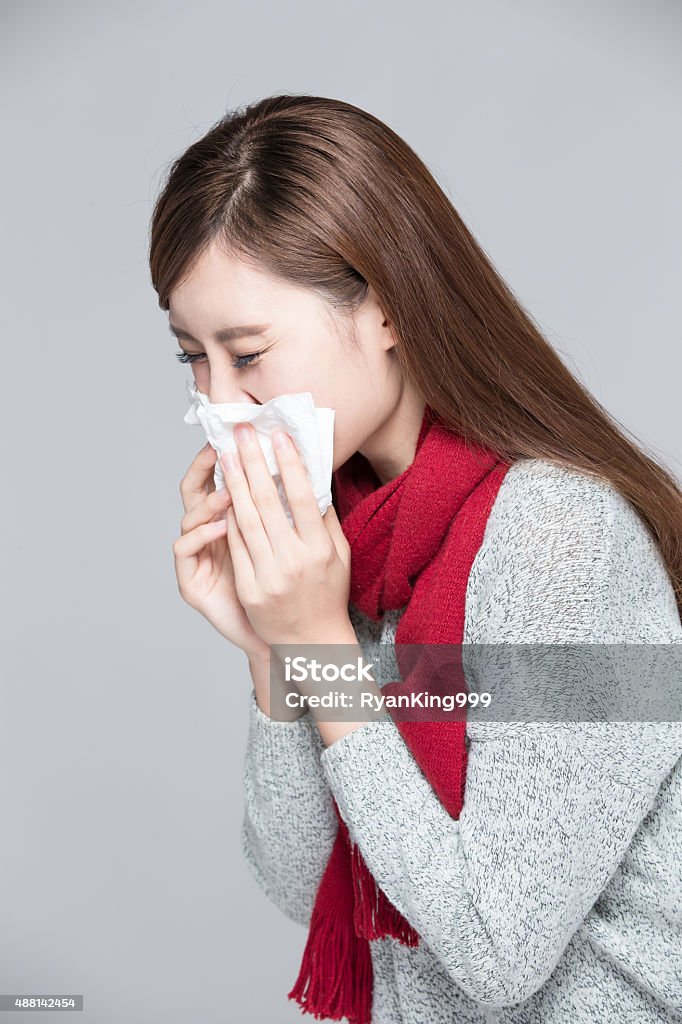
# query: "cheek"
{"type": "Point", "coordinates": [291, 381]}
{"type": "Point", "coordinates": [332, 382]}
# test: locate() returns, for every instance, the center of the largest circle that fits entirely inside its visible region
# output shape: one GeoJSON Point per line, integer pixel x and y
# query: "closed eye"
{"type": "Point", "coordinates": [238, 362]}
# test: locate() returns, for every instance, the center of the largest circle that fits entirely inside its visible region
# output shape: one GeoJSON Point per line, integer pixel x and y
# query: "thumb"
{"type": "Point", "coordinates": [331, 521]}
{"type": "Point", "coordinates": [330, 516]}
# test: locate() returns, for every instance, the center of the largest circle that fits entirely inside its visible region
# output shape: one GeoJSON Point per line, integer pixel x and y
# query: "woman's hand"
{"type": "Point", "coordinates": [294, 583]}
{"type": "Point", "coordinates": [203, 565]}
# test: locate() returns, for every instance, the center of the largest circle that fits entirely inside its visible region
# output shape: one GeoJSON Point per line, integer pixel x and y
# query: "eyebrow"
{"type": "Point", "coordinates": [225, 334]}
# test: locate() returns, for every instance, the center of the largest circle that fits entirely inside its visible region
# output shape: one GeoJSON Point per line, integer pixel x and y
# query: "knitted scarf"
{"type": "Point", "coordinates": [413, 541]}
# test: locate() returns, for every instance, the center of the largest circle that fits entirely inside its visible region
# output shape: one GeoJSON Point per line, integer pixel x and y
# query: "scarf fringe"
{"type": "Point", "coordinates": [374, 915]}
{"type": "Point", "coordinates": [335, 979]}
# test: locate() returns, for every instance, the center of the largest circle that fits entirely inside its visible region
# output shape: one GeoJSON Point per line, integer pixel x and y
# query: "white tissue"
{"type": "Point", "coordinates": [311, 428]}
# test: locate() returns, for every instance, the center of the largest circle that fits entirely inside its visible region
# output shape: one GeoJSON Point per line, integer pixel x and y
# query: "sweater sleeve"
{"type": "Point", "coordinates": [549, 808]}
{"type": "Point", "coordinates": [289, 824]}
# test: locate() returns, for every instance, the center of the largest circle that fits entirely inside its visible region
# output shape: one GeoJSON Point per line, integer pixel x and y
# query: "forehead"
{"type": "Point", "coordinates": [223, 289]}
{"type": "Point", "coordinates": [219, 279]}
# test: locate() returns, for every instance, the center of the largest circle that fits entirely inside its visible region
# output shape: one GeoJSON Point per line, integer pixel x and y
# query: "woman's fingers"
{"type": "Point", "coordinates": [255, 502]}
{"type": "Point", "coordinates": [299, 491]}
{"type": "Point", "coordinates": [199, 476]}
{"type": "Point", "coordinates": [189, 545]}
{"type": "Point", "coordinates": [211, 505]}
{"type": "Point", "coordinates": [239, 553]}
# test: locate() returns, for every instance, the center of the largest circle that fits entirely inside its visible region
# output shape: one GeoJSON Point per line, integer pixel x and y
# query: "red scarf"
{"type": "Point", "coordinates": [413, 541]}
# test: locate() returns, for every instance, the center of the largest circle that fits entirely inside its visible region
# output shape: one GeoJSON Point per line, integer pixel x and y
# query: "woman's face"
{"type": "Point", "coordinates": [286, 342]}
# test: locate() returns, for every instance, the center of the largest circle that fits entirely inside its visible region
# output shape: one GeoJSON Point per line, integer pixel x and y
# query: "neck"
{"type": "Point", "coordinates": [391, 448]}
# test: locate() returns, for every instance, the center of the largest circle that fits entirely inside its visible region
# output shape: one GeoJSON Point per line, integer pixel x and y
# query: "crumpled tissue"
{"type": "Point", "coordinates": [310, 427]}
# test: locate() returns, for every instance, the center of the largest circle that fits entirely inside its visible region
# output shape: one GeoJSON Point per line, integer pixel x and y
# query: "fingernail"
{"type": "Point", "coordinates": [243, 433]}
{"type": "Point", "coordinates": [280, 439]}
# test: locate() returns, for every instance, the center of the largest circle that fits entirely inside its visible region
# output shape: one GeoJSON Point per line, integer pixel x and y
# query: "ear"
{"type": "Point", "coordinates": [373, 306]}
{"type": "Point", "coordinates": [389, 339]}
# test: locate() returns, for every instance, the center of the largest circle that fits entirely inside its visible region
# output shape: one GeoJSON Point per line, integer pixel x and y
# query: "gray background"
{"type": "Point", "coordinates": [552, 126]}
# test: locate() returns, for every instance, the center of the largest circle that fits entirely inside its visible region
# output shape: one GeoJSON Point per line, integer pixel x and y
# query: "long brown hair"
{"type": "Point", "coordinates": [324, 195]}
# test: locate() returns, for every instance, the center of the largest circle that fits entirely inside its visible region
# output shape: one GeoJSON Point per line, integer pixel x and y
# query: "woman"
{"type": "Point", "coordinates": [516, 871]}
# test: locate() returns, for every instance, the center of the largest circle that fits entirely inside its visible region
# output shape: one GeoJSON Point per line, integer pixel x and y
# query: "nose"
{"type": "Point", "coordinates": [218, 396]}
{"type": "Point", "coordinates": [224, 388]}
{"type": "Point", "coordinates": [222, 382]}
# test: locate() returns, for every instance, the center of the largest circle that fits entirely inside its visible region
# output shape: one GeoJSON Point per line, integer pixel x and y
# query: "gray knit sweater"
{"type": "Point", "coordinates": [557, 895]}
